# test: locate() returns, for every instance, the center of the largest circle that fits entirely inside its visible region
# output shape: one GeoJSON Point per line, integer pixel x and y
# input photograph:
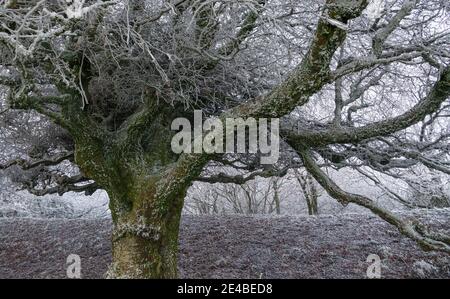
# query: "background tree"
{"type": "Point", "coordinates": [309, 191]}
{"type": "Point", "coordinates": [257, 196]}
{"type": "Point", "coordinates": [357, 88]}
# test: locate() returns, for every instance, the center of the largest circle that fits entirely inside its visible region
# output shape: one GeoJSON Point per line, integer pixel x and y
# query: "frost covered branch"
{"type": "Point", "coordinates": [414, 230]}
{"type": "Point", "coordinates": [26, 165]}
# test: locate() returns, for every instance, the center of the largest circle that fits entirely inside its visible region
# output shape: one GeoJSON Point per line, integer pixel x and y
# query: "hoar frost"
{"type": "Point", "coordinates": [374, 9]}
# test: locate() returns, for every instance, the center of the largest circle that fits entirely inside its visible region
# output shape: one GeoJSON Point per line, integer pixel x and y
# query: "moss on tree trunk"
{"type": "Point", "coordinates": [146, 217]}
{"type": "Point", "coordinates": [145, 251]}
{"type": "Point", "coordinates": [145, 239]}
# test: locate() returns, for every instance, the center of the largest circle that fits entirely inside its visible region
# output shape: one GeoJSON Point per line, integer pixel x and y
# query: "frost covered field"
{"type": "Point", "coordinates": [233, 247]}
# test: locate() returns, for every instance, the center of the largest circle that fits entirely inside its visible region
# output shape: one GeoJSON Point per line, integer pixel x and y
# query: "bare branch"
{"type": "Point", "coordinates": [240, 179]}
{"type": "Point", "coordinates": [382, 34]}
{"type": "Point", "coordinates": [49, 161]}
{"type": "Point", "coordinates": [312, 73]}
{"type": "Point", "coordinates": [87, 189]}
{"type": "Point", "coordinates": [432, 102]}
{"type": "Point", "coordinates": [429, 241]}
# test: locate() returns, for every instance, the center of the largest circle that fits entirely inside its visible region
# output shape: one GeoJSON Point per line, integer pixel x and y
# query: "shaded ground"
{"type": "Point", "coordinates": [232, 247]}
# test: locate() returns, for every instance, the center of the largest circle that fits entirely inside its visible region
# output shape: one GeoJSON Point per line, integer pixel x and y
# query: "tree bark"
{"type": "Point", "coordinates": [146, 185]}
{"type": "Point", "coordinates": [145, 239]}
{"type": "Point", "coordinates": [141, 252]}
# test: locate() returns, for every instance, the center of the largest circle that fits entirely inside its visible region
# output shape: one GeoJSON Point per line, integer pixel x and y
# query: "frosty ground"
{"type": "Point", "coordinates": [233, 247]}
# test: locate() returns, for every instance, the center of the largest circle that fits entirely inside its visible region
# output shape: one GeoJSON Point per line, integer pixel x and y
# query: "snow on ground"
{"type": "Point", "coordinates": [233, 247]}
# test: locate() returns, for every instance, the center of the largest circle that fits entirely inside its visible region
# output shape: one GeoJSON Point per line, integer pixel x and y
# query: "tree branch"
{"type": "Point", "coordinates": [87, 189]}
{"type": "Point", "coordinates": [415, 231]}
{"type": "Point", "coordinates": [240, 179]}
{"type": "Point", "coordinates": [382, 35]}
{"type": "Point", "coordinates": [313, 72]}
{"type": "Point", "coordinates": [332, 135]}
{"type": "Point", "coordinates": [26, 165]}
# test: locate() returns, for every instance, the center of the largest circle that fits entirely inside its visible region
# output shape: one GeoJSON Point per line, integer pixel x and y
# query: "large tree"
{"type": "Point", "coordinates": [113, 75]}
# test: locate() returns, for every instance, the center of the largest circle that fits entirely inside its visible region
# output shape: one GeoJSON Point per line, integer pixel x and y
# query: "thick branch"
{"type": "Point", "coordinates": [313, 72]}
{"type": "Point", "coordinates": [240, 179]}
{"type": "Point", "coordinates": [26, 165]}
{"type": "Point", "coordinates": [87, 189]}
{"type": "Point", "coordinates": [415, 231]}
{"type": "Point", "coordinates": [332, 135]}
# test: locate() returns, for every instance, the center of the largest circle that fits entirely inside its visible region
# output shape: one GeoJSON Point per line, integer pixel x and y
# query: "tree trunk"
{"type": "Point", "coordinates": [145, 238]}
{"type": "Point", "coordinates": [142, 252]}
{"type": "Point", "coordinates": [146, 194]}
{"type": "Point", "coordinates": [310, 208]}
{"type": "Point", "coordinates": [315, 209]}
{"type": "Point", "coordinates": [313, 195]}
{"type": "Point", "coordinates": [276, 198]}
